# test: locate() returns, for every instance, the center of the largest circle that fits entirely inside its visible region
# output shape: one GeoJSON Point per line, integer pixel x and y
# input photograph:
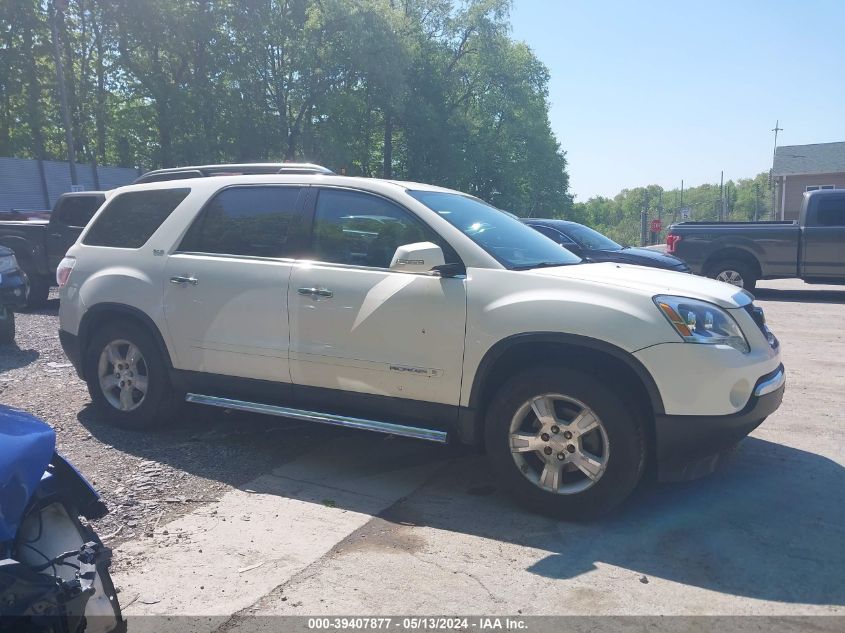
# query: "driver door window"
{"type": "Point", "coordinates": [364, 230]}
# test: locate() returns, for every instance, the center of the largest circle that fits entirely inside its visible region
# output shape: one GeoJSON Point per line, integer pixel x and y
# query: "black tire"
{"type": "Point", "coordinates": [39, 286]}
{"type": "Point", "coordinates": [159, 402]}
{"type": "Point", "coordinates": [725, 267]}
{"type": "Point", "coordinates": [7, 325]}
{"type": "Point", "coordinates": [622, 424]}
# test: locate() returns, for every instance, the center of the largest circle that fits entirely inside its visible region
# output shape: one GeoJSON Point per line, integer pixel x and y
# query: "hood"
{"type": "Point", "coordinates": [653, 281]}
{"type": "Point", "coordinates": [639, 256]}
{"type": "Point", "coordinates": [28, 445]}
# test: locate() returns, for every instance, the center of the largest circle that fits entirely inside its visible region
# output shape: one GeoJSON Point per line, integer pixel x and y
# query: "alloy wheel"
{"type": "Point", "coordinates": [123, 375]}
{"type": "Point", "coordinates": [731, 277]}
{"type": "Point", "coordinates": [559, 444]}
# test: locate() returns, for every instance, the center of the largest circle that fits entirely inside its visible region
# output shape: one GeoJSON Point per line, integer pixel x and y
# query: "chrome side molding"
{"type": "Point", "coordinates": [772, 384]}
{"type": "Point", "coordinates": [429, 435]}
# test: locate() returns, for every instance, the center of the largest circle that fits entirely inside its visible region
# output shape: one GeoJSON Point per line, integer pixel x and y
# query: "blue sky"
{"type": "Point", "coordinates": [650, 92]}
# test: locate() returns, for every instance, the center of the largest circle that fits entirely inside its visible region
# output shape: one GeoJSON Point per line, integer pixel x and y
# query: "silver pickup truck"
{"type": "Point", "coordinates": [741, 253]}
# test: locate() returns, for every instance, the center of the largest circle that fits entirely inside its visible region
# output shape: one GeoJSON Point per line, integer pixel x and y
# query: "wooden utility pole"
{"type": "Point", "coordinates": [776, 129]}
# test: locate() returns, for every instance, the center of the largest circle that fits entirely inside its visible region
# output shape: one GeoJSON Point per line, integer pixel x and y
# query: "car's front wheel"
{"type": "Point", "coordinates": [127, 376]}
{"type": "Point", "coordinates": [564, 443]}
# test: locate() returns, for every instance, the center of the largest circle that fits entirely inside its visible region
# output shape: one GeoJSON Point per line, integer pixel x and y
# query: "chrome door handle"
{"type": "Point", "coordinates": [184, 280]}
{"type": "Point", "coordinates": [315, 292]}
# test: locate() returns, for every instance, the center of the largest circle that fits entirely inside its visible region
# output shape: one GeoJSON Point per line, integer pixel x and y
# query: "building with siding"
{"type": "Point", "coordinates": [802, 168]}
{"type": "Point", "coordinates": [23, 188]}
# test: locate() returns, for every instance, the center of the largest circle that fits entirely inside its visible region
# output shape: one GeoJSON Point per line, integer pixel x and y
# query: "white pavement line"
{"type": "Point", "coordinates": [202, 563]}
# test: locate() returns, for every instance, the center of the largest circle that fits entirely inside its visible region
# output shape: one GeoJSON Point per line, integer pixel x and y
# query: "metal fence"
{"type": "Point", "coordinates": [22, 186]}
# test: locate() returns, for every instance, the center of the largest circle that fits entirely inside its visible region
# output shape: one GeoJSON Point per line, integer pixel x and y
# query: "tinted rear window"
{"type": "Point", "coordinates": [78, 210]}
{"type": "Point", "coordinates": [131, 218]}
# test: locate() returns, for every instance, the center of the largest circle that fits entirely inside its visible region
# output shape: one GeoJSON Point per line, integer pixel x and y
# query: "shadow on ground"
{"type": "Point", "coordinates": [769, 525]}
{"type": "Point", "coordinates": [808, 295]}
{"type": "Point", "coordinates": [13, 357]}
{"type": "Point", "coordinates": [51, 307]}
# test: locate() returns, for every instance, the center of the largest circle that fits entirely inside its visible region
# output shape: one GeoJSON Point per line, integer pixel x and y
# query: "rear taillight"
{"type": "Point", "coordinates": [64, 270]}
{"type": "Point", "coordinates": [672, 242]}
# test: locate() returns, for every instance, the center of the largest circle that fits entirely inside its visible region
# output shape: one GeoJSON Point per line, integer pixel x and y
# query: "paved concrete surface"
{"type": "Point", "coordinates": [362, 524]}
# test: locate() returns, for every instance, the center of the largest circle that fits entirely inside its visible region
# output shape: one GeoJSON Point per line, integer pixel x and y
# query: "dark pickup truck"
{"type": "Point", "coordinates": [39, 245]}
{"type": "Point", "coordinates": [741, 253]}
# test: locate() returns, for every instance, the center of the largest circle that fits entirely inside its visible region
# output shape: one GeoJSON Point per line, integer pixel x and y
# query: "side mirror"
{"type": "Point", "coordinates": [421, 257]}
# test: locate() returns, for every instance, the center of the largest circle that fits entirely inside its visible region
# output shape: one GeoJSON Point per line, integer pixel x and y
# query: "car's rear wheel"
{"type": "Point", "coordinates": [734, 272]}
{"type": "Point", "coordinates": [563, 443]}
{"type": "Point", "coordinates": [127, 376]}
{"type": "Point", "coordinates": [7, 325]}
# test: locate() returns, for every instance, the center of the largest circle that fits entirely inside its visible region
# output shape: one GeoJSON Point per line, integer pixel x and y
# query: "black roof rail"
{"type": "Point", "coordinates": [233, 169]}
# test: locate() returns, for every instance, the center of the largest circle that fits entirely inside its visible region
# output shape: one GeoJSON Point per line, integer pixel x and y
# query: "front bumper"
{"type": "Point", "coordinates": [72, 349]}
{"type": "Point", "coordinates": [13, 289]}
{"type": "Point", "coordinates": [691, 446]}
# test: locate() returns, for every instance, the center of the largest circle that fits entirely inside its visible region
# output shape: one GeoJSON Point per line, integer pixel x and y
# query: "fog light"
{"type": "Point", "coordinates": [740, 393]}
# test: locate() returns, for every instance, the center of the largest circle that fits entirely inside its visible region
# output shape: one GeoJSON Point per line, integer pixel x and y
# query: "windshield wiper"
{"type": "Point", "coordinates": [541, 265]}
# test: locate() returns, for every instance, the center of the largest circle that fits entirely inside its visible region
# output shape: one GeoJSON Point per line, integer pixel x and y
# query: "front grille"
{"type": "Point", "coordinates": [759, 317]}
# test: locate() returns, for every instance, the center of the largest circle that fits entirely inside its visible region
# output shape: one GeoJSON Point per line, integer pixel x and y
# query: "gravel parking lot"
{"type": "Point", "coordinates": [233, 515]}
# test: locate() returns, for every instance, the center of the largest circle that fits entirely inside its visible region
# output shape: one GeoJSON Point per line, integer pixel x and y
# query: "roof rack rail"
{"type": "Point", "coordinates": [233, 169]}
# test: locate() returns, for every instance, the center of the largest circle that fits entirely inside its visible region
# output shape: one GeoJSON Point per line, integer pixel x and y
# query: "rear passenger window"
{"type": "Point", "coordinates": [251, 221]}
{"type": "Point", "coordinates": [831, 211]}
{"type": "Point", "coordinates": [131, 218]}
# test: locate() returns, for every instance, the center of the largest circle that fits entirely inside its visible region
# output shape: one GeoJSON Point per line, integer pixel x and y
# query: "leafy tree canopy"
{"type": "Point", "coordinates": [430, 90]}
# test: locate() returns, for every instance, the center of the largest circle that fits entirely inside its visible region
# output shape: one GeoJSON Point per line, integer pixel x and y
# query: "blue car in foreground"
{"type": "Point", "coordinates": [53, 568]}
{"type": "Point", "coordinates": [13, 291]}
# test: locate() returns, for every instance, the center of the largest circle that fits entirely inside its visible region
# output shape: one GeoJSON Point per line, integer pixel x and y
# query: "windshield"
{"type": "Point", "coordinates": [586, 237]}
{"type": "Point", "coordinates": [512, 243]}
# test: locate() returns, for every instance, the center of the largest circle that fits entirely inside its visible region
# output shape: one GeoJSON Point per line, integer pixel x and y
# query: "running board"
{"type": "Point", "coordinates": [323, 418]}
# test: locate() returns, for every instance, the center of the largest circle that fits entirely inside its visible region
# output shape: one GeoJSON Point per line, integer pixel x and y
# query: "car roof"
{"type": "Point", "coordinates": [205, 171]}
{"type": "Point", "coordinates": [554, 223]}
{"type": "Point", "coordinates": [329, 179]}
{"type": "Point", "coordinates": [82, 194]}
{"type": "Point", "coordinates": [215, 183]}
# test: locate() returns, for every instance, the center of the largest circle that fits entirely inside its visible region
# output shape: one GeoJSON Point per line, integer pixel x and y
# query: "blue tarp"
{"type": "Point", "coordinates": [26, 446]}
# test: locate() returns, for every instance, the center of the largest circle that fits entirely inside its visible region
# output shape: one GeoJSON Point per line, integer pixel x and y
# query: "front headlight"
{"type": "Point", "coordinates": [8, 263]}
{"type": "Point", "coordinates": [702, 322]}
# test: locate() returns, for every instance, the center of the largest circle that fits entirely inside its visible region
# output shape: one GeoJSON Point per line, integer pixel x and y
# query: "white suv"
{"type": "Point", "coordinates": [418, 311]}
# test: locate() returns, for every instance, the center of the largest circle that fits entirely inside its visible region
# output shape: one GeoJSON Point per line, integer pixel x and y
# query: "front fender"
{"type": "Point", "coordinates": [619, 319]}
